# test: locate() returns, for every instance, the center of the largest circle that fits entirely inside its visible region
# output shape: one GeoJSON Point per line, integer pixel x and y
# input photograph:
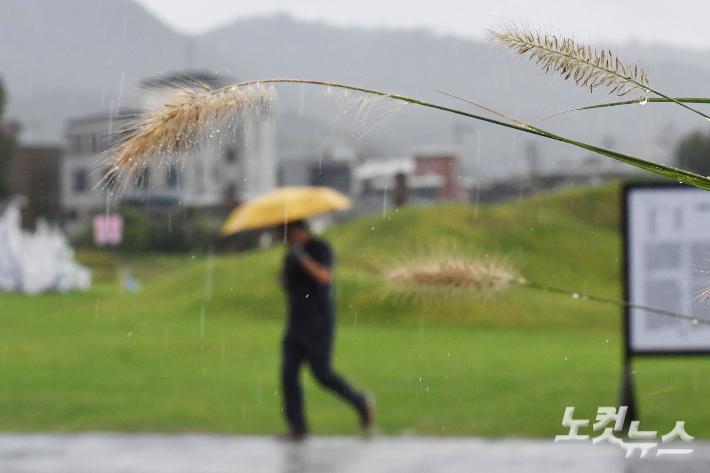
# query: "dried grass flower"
{"type": "Point", "coordinates": [181, 123]}
{"type": "Point", "coordinates": [587, 66]}
{"type": "Point", "coordinates": [452, 276]}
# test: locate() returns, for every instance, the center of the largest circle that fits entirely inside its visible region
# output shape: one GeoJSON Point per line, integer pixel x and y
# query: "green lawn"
{"type": "Point", "coordinates": [110, 360]}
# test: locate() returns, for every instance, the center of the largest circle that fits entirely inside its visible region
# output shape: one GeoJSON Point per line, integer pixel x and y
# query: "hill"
{"type": "Point", "coordinates": [568, 239]}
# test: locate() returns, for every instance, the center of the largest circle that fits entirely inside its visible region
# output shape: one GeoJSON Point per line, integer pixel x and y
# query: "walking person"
{"type": "Point", "coordinates": [306, 278]}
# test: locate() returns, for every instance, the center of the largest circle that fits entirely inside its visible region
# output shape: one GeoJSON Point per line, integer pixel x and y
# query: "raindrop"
{"type": "Point", "coordinates": [695, 321]}
{"type": "Point", "coordinates": [644, 100]}
{"type": "Point", "coordinates": [129, 334]}
{"type": "Point", "coordinates": [575, 295]}
{"type": "Point", "coordinates": [565, 358]}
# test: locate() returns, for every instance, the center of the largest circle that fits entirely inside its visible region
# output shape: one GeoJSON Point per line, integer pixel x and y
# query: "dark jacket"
{"type": "Point", "coordinates": [311, 317]}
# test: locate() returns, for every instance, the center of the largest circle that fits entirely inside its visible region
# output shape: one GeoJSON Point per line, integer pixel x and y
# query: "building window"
{"type": "Point", "coordinates": [81, 180]}
{"type": "Point", "coordinates": [232, 193]}
{"type": "Point", "coordinates": [143, 178]}
{"type": "Point", "coordinates": [234, 151]}
{"type": "Point", "coordinates": [232, 154]}
{"type": "Point", "coordinates": [199, 177]}
{"type": "Point", "coordinates": [171, 177]}
{"type": "Point", "coordinates": [104, 142]}
{"type": "Point", "coordinates": [110, 179]}
{"type": "Point", "coordinates": [76, 144]}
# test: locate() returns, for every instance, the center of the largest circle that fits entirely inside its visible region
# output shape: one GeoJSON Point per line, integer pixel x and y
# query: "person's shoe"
{"type": "Point", "coordinates": [367, 414]}
{"type": "Point", "coordinates": [293, 435]}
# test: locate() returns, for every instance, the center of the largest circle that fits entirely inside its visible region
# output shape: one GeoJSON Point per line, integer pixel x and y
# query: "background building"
{"type": "Point", "coordinates": [425, 175]}
{"type": "Point", "coordinates": [34, 175]}
{"type": "Point", "coordinates": [234, 165]}
{"type": "Point", "coordinates": [333, 168]}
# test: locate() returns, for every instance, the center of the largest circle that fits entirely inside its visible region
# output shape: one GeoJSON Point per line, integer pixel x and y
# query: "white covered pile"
{"type": "Point", "coordinates": [36, 262]}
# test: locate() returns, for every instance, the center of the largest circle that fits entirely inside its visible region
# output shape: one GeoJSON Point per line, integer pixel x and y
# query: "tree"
{"type": "Point", "coordinates": [7, 149]}
{"type": "Point", "coordinates": [693, 153]}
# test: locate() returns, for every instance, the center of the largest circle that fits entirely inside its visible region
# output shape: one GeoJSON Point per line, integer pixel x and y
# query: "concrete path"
{"type": "Point", "coordinates": [123, 453]}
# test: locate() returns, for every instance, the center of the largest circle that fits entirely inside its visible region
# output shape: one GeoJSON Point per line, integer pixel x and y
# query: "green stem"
{"type": "Point", "coordinates": [626, 102]}
{"type": "Point", "coordinates": [682, 104]}
{"type": "Point", "coordinates": [696, 180]}
{"type": "Point", "coordinates": [636, 102]}
{"type": "Point", "coordinates": [607, 300]}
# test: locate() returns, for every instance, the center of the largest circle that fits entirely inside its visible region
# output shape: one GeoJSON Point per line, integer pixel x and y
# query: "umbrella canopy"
{"type": "Point", "coordinates": [285, 204]}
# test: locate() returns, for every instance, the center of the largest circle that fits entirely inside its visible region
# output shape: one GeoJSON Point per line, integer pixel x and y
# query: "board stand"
{"type": "Point", "coordinates": [627, 396]}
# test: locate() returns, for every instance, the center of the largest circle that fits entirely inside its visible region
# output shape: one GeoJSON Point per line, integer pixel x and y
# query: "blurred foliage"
{"type": "Point", "coordinates": [7, 151]}
{"type": "Point", "coordinates": [105, 266]}
{"type": "Point", "coordinates": [173, 232]}
{"type": "Point", "coordinates": [136, 232]}
{"type": "Point", "coordinates": [693, 153]}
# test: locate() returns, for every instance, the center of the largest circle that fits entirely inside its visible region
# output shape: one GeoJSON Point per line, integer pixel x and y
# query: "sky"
{"type": "Point", "coordinates": [679, 23]}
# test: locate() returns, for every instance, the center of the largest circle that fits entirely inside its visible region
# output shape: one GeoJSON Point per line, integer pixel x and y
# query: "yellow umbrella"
{"type": "Point", "coordinates": [286, 204]}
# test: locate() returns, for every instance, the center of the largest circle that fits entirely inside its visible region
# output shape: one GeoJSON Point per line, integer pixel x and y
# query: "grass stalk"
{"type": "Point", "coordinates": [628, 102]}
{"type": "Point", "coordinates": [608, 300]}
{"type": "Point", "coordinates": [479, 278]}
{"type": "Point", "coordinates": [680, 175]}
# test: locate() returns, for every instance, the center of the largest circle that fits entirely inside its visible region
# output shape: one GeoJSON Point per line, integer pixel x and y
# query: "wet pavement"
{"type": "Point", "coordinates": [196, 453]}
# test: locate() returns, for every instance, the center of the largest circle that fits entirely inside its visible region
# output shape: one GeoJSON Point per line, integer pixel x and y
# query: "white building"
{"type": "Point", "coordinates": [237, 164]}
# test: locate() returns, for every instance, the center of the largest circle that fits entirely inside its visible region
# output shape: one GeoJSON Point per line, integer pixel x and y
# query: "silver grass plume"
{"type": "Point", "coordinates": [180, 124]}
{"type": "Point", "coordinates": [570, 60]}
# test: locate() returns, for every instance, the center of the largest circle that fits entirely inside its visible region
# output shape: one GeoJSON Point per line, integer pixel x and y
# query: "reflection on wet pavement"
{"type": "Point", "coordinates": [124, 453]}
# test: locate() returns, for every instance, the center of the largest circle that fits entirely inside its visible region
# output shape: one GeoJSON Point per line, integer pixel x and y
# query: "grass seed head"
{"type": "Point", "coordinates": [586, 66]}
{"type": "Point", "coordinates": [452, 276]}
{"type": "Point", "coordinates": [180, 124]}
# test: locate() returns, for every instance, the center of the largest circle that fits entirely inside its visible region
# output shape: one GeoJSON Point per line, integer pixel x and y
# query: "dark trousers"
{"type": "Point", "coordinates": [294, 354]}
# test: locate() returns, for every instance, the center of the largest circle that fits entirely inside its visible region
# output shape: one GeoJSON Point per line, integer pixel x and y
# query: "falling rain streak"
{"type": "Point", "coordinates": [208, 276]}
{"type": "Point", "coordinates": [202, 322]}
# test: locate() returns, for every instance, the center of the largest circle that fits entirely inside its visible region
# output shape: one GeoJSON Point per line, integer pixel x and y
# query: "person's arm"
{"type": "Point", "coordinates": [317, 271]}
